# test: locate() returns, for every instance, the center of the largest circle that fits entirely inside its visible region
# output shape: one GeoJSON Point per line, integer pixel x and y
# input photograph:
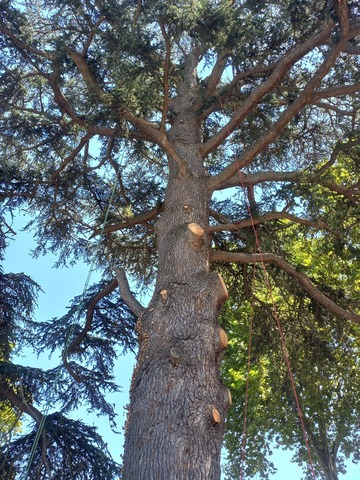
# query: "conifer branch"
{"type": "Point", "coordinates": [241, 179]}
{"type": "Point", "coordinates": [72, 155]}
{"type": "Point", "coordinates": [301, 101]}
{"type": "Point", "coordinates": [22, 45]}
{"type": "Point", "coordinates": [222, 97]}
{"type": "Point", "coordinates": [303, 280]}
{"type": "Point", "coordinates": [288, 60]}
{"type": "Point", "coordinates": [139, 219]}
{"type": "Point", "coordinates": [91, 36]}
{"type": "Point", "coordinates": [107, 290]}
{"type": "Point", "coordinates": [9, 394]}
{"type": "Point", "coordinates": [66, 108]}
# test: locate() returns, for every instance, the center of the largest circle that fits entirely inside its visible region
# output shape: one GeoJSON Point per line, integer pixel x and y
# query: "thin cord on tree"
{"type": "Point", "coordinates": [73, 325]}
{"type": "Point", "coordinates": [283, 343]}
{"type": "Point", "coordinates": [248, 376]}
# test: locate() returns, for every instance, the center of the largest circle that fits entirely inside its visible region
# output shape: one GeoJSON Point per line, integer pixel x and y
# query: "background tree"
{"type": "Point", "coordinates": [323, 353]}
{"type": "Point", "coordinates": [154, 108]}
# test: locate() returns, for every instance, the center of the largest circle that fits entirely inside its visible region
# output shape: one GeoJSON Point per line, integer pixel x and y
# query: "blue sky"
{"type": "Point", "coordinates": [59, 287]}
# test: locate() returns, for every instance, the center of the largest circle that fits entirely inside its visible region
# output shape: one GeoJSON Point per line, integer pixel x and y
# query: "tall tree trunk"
{"type": "Point", "coordinates": [178, 403]}
{"type": "Point", "coordinates": [328, 463]}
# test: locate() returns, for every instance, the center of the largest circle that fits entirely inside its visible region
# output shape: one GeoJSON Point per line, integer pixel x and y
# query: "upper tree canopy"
{"type": "Point", "coordinates": [92, 98]}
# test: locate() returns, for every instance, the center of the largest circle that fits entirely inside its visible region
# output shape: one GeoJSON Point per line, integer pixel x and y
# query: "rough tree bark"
{"type": "Point", "coordinates": [178, 403]}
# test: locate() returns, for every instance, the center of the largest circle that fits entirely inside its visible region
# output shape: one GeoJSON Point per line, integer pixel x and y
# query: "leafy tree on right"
{"type": "Point", "coordinates": [323, 351]}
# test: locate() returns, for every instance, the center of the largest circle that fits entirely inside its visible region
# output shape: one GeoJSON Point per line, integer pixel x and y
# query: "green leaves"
{"type": "Point", "coordinates": [323, 353]}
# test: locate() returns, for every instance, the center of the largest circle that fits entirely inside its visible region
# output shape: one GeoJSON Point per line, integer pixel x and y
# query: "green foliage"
{"type": "Point", "coordinates": [88, 92]}
{"type": "Point", "coordinates": [80, 453]}
{"type": "Point", "coordinates": [323, 353]}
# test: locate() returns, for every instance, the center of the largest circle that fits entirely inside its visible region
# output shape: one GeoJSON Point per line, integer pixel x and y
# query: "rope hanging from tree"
{"type": "Point", "coordinates": [70, 334]}
{"type": "Point", "coordinates": [283, 344]}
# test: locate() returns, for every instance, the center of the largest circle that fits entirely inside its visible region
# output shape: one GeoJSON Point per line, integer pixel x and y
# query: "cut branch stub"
{"type": "Point", "coordinates": [222, 340]}
{"type": "Point", "coordinates": [224, 289]}
{"type": "Point", "coordinates": [215, 416]}
{"type": "Point", "coordinates": [196, 234]}
{"type": "Point", "coordinates": [174, 356]}
{"type": "Point", "coordinates": [164, 296]}
{"type": "Point", "coordinates": [229, 397]}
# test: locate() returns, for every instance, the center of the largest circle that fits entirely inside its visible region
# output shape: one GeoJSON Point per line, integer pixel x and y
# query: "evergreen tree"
{"type": "Point", "coordinates": [166, 130]}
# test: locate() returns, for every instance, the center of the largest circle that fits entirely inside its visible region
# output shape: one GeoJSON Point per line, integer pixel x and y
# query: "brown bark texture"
{"type": "Point", "coordinates": [178, 403]}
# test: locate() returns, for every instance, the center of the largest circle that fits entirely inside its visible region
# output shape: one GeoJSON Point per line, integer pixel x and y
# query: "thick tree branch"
{"type": "Point", "coordinates": [302, 100]}
{"type": "Point", "coordinates": [139, 219]}
{"type": "Point", "coordinates": [16, 400]}
{"type": "Point", "coordinates": [65, 107]}
{"type": "Point", "coordinates": [303, 280]}
{"type": "Point", "coordinates": [229, 91]}
{"type": "Point", "coordinates": [335, 92]}
{"type": "Point", "coordinates": [212, 81]}
{"type": "Point", "coordinates": [91, 36]}
{"type": "Point", "coordinates": [267, 218]}
{"type": "Point", "coordinates": [241, 179]}
{"type": "Point", "coordinates": [288, 60]}
{"type": "Point", "coordinates": [126, 294]}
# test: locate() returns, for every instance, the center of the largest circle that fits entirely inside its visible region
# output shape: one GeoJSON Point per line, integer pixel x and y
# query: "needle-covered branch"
{"type": "Point", "coordinates": [85, 139]}
{"type": "Point", "coordinates": [152, 130]}
{"type": "Point", "coordinates": [288, 60]}
{"type": "Point", "coordinates": [109, 288]}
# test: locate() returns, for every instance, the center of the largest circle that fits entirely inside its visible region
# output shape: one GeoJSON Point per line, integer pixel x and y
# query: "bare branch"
{"type": "Point", "coordinates": [303, 280]}
{"type": "Point", "coordinates": [267, 218]}
{"type": "Point", "coordinates": [336, 91]}
{"type": "Point", "coordinates": [244, 180]}
{"type": "Point", "coordinates": [229, 92]}
{"type": "Point", "coordinates": [142, 218]}
{"type": "Point", "coordinates": [126, 294]}
{"type": "Point", "coordinates": [212, 81]}
{"type": "Point", "coordinates": [352, 49]}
